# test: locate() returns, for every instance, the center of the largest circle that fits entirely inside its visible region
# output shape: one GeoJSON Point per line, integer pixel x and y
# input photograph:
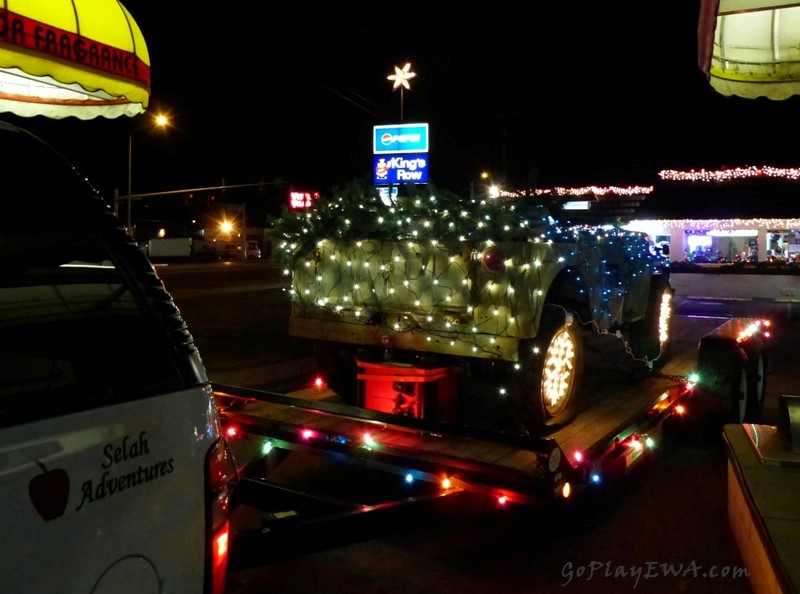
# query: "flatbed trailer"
{"type": "Point", "coordinates": [304, 445]}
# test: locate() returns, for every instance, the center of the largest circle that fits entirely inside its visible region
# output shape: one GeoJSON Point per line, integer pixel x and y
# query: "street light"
{"type": "Point", "coordinates": [484, 176]}
{"type": "Point", "coordinates": [226, 227]}
{"type": "Point", "coordinates": [160, 121]}
{"type": "Point", "coordinates": [492, 190]}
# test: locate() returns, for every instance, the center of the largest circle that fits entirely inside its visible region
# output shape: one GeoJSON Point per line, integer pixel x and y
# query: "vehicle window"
{"type": "Point", "coordinates": [74, 334]}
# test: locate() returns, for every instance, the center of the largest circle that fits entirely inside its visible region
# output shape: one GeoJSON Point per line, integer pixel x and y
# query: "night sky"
{"type": "Point", "coordinates": [557, 94]}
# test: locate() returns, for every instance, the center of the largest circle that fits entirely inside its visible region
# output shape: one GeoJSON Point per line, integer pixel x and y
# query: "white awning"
{"type": "Point", "coordinates": [751, 48]}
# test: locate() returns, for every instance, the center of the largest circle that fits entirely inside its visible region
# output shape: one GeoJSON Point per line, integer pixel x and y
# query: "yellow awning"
{"type": "Point", "coordinates": [79, 58]}
{"type": "Point", "coordinates": [751, 48]}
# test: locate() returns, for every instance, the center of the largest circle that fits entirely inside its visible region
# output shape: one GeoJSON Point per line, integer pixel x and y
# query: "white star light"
{"type": "Point", "coordinates": [401, 77]}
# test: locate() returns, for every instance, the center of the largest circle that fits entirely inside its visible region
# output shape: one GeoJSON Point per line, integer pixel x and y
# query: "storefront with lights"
{"type": "Point", "coordinates": [746, 214]}
{"type": "Point", "coordinates": [733, 215]}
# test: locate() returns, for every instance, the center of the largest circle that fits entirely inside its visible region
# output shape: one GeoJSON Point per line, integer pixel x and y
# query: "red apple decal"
{"type": "Point", "coordinates": [49, 492]}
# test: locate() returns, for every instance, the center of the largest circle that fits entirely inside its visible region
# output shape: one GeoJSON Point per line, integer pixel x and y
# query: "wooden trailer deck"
{"type": "Point", "coordinates": [489, 449]}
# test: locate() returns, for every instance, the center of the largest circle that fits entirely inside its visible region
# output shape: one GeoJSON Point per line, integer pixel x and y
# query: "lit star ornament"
{"type": "Point", "coordinates": [401, 77]}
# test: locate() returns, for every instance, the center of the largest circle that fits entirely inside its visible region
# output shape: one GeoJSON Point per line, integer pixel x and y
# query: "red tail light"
{"type": "Point", "coordinates": [494, 259]}
{"type": "Point", "coordinates": [221, 476]}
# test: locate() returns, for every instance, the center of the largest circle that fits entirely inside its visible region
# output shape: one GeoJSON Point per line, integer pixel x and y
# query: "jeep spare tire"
{"type": "Point", "coordinates": [545, 394]}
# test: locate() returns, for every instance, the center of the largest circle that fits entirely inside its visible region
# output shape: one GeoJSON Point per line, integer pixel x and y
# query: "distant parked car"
{"type": "Point", "coordinates": [252, 251]}
{"type": "Point", "coordinates": [236, 250]}
{"type": "Point", "coordinates": [229, 251]}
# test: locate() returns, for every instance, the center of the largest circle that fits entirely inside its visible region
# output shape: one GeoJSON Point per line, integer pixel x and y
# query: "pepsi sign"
{"type": "Point", "coordinates": [400, 169]}
{"type": "Point", "coordinates": [400, 138]}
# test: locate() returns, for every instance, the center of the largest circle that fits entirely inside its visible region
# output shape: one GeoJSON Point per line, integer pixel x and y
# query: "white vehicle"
{"type": "Point", "coordinates": [114, 477]}
{"type": "Point", "coordinates": [236, 250]}
{"type": "Point", "coordinates": [170, 247]}
{"type": "Point", "coordinates": [252, 251]}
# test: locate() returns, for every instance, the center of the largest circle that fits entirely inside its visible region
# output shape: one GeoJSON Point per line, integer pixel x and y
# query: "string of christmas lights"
{"type": "Point", "coordinates": [560, 191]}
{"type": "Point", "coordinates": [736, 173]}
{"type": "Point", "coordinates": [461, 275]}
{"type": "Point", "coordinates": [722, 224]}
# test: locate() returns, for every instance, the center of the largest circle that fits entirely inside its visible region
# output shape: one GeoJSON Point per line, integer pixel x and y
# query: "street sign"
{"type": "Point", "coordinates": [400, 169]}
{"type": "Point", "coordinates": [400, 138]}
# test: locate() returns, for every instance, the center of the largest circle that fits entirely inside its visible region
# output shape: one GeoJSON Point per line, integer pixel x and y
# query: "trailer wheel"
{"type": "Point", "coordinates": [756, 385]}
{"type": "Point", "coordinates": [545, 395]}
{"type": "Point", "coordinates": [727, 380]}
{"type": "Point", "coordinates": [649, 338]}
{"type": "Point", "coordinates": [739, 394]}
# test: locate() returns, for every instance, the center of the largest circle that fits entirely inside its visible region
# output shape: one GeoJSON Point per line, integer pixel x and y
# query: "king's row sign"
{"type": "Point", "coordinates": [401, 169]}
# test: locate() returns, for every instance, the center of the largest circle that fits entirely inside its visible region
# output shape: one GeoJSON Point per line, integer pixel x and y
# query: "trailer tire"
{"type": "Point", "coordinates": [740, 405]}
{"type": "Point", "coordinates": [552, 363]}
{"type": "Point", "coordinates": [649, 338]}
{"type": "Point", "coordinates": [727, 381]}
{"type": "Point", "coordinates": [756, 382]}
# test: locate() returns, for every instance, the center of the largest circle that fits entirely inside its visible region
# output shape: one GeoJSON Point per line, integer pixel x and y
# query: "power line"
{"type": "Point", "coordinates": [222, 187]}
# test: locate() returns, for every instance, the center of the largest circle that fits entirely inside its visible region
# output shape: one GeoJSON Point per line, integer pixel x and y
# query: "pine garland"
{"type": "Point", "coordinates": [421, 213]}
